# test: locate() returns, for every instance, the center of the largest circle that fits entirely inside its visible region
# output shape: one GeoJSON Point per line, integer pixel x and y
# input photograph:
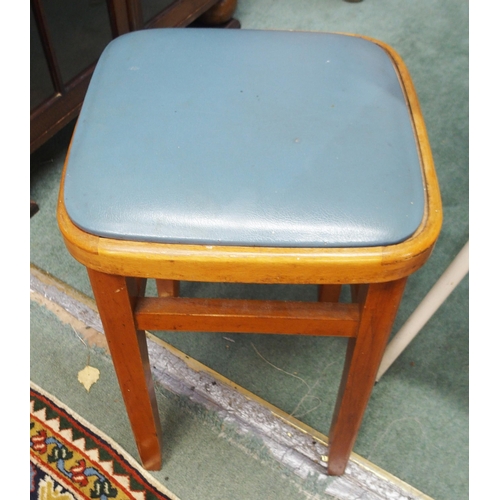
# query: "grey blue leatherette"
{"type": "Point", "coordinates": [243, 137]}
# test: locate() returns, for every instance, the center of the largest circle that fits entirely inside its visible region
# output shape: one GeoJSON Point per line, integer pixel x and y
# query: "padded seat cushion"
{"type": "Point", "coordinates": [242, 137]}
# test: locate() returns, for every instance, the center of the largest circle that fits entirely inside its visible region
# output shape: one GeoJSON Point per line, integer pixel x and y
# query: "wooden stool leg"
{"type": "Point", "coordinates": [167, 288]}
{"type": "Point", "coordinates": [379, 304]}
{"type": "Point", "coordinates": [115, 296]}
{"type": "Point", "coordinates": [329, 293]}
{"type": "Point", "coordinates": [354, 292]}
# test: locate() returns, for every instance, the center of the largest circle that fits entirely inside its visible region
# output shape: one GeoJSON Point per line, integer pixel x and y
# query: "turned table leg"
{"type": "Point", "coordinates": [220, 15]}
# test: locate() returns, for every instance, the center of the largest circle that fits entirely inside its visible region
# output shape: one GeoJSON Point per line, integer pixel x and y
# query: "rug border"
{"type": "Point", "coordinates": [111, 443]}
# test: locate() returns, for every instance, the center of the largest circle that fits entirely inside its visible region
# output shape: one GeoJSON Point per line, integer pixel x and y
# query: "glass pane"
{"type": "Point", "coordinates": [150, 8]}
{"type": "Point", "coordinates": [41, 86]}
{"type": "Point", "coordinates": [80, 30]}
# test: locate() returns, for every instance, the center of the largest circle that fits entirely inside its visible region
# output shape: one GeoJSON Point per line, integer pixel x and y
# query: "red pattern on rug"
{"type": "Point", "coordinates": [71, 460]}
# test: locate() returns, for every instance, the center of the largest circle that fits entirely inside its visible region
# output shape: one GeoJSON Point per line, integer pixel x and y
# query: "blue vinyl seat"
{"type": "Point", "coordinates": [236, 137]}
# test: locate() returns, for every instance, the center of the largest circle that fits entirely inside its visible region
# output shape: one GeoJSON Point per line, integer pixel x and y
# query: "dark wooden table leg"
{"type": "Point", "coordinates": [220, 15]}
{"type": "Point", "coordinates": [115, 297]}
{"type": "Point", "coordinates": [33, 208]}
{"type": "Point", "coordinates": [378, 304]}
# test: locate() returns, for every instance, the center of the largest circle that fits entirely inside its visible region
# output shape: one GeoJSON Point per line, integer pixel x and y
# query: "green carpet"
{"type": "Point", "coordinates": [416, 425]}
{"type": "Point", "coordinates": [201, 458]}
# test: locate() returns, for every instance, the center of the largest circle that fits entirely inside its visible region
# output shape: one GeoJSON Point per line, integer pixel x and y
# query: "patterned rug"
{"type": "Point", "coordinates": [72, 460]}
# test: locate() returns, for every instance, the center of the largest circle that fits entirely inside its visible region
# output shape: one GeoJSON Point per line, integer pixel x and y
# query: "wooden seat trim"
{"type": "Point", "coordinates": [268, 264]}
{"type": "Point", "coordinates": [247, 316]}
{"type": "Point", "coordinates": [249, 264]}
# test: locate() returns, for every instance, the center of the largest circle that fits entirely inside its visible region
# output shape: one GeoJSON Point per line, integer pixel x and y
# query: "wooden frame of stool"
{"type": "Point", "coordinates": [118, 271]}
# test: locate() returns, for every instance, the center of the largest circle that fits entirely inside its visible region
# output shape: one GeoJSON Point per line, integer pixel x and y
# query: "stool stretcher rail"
{"type": "Point", "coordinates": [247, 316]}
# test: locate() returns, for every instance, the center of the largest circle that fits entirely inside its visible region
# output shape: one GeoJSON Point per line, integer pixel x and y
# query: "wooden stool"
{"type": "Point", "coordinates": [249, 157]}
